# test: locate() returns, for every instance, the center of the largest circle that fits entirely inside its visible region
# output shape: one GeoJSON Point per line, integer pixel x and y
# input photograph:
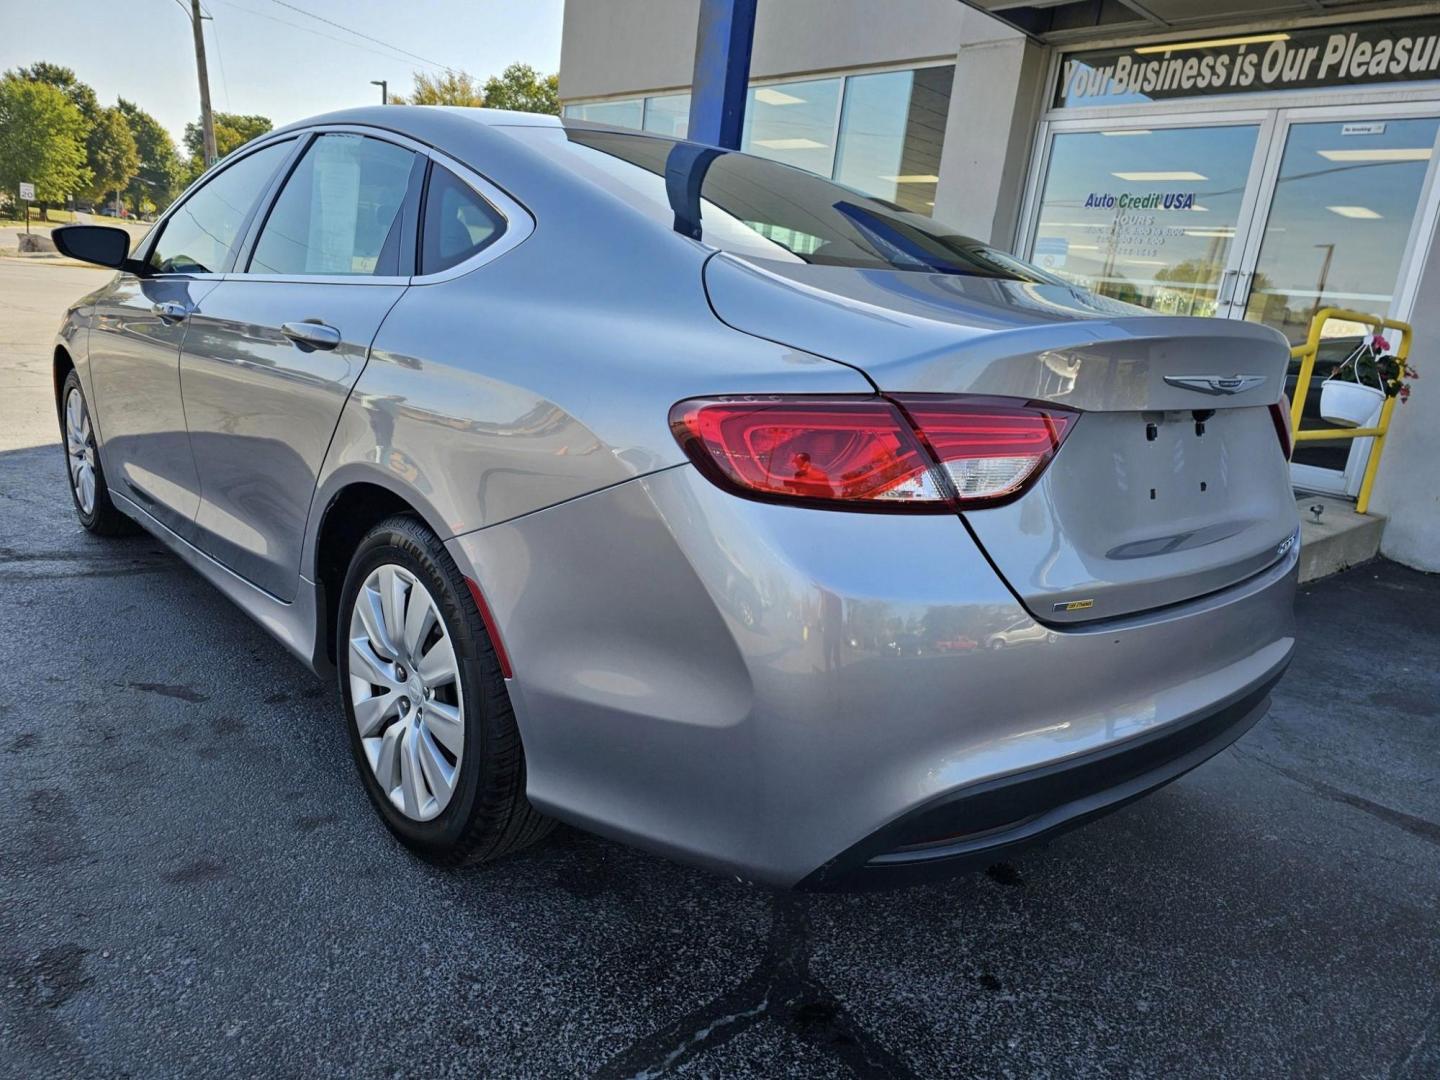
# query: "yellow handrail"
{"type": "Point", "coordinates": [1307, 354]}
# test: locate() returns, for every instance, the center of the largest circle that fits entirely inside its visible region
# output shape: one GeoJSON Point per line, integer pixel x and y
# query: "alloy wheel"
{"type": "Point", "coordinates": [405, 691]}
{"type": "Point", "coordinates": [80, 450]}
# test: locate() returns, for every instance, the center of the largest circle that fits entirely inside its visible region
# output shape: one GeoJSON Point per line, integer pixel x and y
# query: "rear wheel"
{"type": "Point", "coordinates": [82, 461]}
{"type": "Point", "coordinates": [431, 727]}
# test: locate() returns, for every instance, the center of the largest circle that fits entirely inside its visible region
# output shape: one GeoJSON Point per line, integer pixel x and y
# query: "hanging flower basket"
{"type": "Point", "coordinates": [1352, 395]}
{"type": "Point", "coordinates": [1349, 404]}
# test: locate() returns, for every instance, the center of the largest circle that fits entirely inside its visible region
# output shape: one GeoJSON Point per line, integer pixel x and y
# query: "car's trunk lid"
{"type": "Point", "coordinates": [1170, 485]}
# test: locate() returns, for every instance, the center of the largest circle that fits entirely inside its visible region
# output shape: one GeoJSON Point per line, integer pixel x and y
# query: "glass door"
{"type": "Point", "coordinates": [1153, 215]}
{"type": "Point", "coordinates": [1334, 227]}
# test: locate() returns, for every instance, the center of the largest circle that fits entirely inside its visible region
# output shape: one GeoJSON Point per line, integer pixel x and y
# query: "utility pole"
{"type": "Point", "coordinates": [207, 119]}
{"type": "Point", "coordinates": [384, 90]}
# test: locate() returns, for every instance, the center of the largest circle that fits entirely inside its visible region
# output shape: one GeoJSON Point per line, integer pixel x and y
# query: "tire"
{"type": "Point", "coordinates": [83, 471]}
{"type": "Point", "coordinates": [483, 813]}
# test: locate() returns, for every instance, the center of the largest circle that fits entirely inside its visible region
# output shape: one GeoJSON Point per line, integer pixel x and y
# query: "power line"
{"type": "Point", "coordinates": [367, 37]}
{"type": "Point", "coordinates": [319, 34]}
{"type": "Point", "coordinates": [220, 55]}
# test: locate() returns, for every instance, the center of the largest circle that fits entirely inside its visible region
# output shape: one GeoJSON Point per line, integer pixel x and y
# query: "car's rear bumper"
{"type": "Point", "coordinates": [977, 825]}
{"type": "Point", "coordinates": [780, 693]}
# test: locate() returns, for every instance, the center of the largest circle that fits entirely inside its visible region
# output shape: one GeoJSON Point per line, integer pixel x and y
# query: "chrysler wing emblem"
{"type": "Point", "coordinates": [1216, 384]}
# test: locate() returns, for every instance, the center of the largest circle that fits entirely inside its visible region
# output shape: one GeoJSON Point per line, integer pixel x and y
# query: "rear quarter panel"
{"type": "Point", "coordinates": [548, 374]}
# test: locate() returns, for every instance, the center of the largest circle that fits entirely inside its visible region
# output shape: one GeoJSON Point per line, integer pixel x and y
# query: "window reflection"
{"type": "Point", "coordinates": [880, 134]}
{"type": "Point", "coordinates": [668, 115]}
{"type": "Point", "coordinates": [628, 114]}
{"type": "Point", "coordinates": [1145, 216]}
{"type": "Point", "coordinates": [891, 132]}
{"type": "Point", "coordinates": [794, 123]}
{"type": "Point", "coordinates": [1339, 221]}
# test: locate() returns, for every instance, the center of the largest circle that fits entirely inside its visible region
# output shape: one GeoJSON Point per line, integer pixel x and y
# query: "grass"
{"type": "Point", "coordinates": [57, 217]}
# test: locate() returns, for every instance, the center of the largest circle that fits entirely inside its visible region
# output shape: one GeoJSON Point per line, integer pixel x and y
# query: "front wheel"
{"type": "Point", "coordinates": [93, 505]}
{"type": "Point", "coordinates": [431, 727]}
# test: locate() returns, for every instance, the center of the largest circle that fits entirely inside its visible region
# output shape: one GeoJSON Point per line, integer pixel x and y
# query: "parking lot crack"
{"type": "Point", "coordinates": [782, 991]}
{"type": "Point", "coordinates": [1417, 826]}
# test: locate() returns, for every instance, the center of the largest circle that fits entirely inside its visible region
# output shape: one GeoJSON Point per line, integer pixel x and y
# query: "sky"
{"type": "Point", "coordinates": [267, 57]}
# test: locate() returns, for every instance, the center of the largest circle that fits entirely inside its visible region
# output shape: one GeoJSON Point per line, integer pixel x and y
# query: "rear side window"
{"type": "Point", "coordinates": [458, 222]}
{"type": "Point", "coordinates": [200, 235]}
{"type": "Point", "coordinates": [340, 212]}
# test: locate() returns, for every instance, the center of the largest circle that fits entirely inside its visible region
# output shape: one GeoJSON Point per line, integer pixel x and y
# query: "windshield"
{"type": "Point", "coordinates": [761, 209]}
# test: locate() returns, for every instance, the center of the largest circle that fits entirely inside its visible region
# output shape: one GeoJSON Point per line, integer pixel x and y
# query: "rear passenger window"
{"type": "Point", "coordinates": [199, 236]}
{"type": "Point", "coordinates": [340, 213]}
{"type": "Point", "coordinates": [458, 222]}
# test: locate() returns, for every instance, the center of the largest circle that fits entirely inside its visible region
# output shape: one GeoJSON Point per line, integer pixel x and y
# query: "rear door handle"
{"type": "Point", "coordinates": [169, 311]}
{"type": "Point", "coordinates": [315, 335]}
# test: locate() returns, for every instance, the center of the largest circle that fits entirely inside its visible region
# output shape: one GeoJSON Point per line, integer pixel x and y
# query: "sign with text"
{"type": "Point", "coordinates": [27, 192]}
{"type": "Point", "coordinates": [1317, 56]}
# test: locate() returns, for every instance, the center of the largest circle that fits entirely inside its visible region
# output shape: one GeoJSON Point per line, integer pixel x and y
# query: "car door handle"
{"type": "Point", "coordinates": [315, 335]}
{"type": "Point", "coordinates": [170, 311]}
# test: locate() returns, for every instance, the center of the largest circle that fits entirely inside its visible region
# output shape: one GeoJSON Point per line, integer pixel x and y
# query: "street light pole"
{"type": "Point", "coordinates": [207, 119]}
{"type": "Point", "coordinates": [384, 90]}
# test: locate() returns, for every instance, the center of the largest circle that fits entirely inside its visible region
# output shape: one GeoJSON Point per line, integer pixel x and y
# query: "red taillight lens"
{"type": "Point", "coordinates": [990, 449]}
{"type": "Point", "coordinates": [916, 453]}
{"type": "Point", "coordinates": [1280, 414]}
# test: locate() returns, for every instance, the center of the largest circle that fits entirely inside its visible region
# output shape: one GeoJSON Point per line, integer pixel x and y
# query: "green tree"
{"type": "Point", "coordinates": [65, 80]}
{"type": "Point", "coordinates": [451, 88]}
{"type": "Point", "coordinates": [157, 180]}
{"type": "Point", "coordinates": [41, 140]}
{"type": "Point", "coordinates": [521, 88]}
{"type": "Point", "coordinates": [232, 131]}
{"type": "Point", "coordinates": [111, 153]}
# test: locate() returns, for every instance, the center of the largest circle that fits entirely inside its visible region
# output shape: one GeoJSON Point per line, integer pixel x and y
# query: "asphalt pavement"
{"type": "Point", "coordinates": [192, 882]}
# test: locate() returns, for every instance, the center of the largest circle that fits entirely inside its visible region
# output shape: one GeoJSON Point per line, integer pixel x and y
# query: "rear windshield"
{"type": "Point", "coordinates": [761, 209]}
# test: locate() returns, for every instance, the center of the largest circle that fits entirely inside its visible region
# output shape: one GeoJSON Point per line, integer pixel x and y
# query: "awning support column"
{"type": "Point", "coordinates": [723, 41]}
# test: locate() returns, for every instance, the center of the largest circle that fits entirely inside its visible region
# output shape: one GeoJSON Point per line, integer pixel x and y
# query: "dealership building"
{"type": "Point", "coordinates": [1230, 159]}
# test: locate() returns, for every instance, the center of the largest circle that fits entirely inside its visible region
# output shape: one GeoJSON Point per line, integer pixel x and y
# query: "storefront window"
{"type": "Point", "coordinates": [668, 115]}
{"type": "Point", "coordinates": [627, 114]}
{"type": "Point", "coordinates": [794, 123]}
{"type": "Point", "coordinates": [891, 132]}
{"type": "Point", "coordinates": [880, 134]}
{"type": "Point", "coordinates": [1145, 216]}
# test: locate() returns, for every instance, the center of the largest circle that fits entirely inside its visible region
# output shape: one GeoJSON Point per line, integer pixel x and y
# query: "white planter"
{"type": "Point", "coordinates": [1349, 404]}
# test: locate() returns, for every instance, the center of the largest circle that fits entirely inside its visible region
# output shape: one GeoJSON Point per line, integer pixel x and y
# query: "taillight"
{"type": "Point", "coordinates": [914, 452]}
{"type": "Point", "coordinates": [1280, 414]}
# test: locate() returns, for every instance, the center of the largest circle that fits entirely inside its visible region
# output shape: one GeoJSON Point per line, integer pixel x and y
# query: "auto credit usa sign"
{"type": "Point", "coordinates": [1347, 54]}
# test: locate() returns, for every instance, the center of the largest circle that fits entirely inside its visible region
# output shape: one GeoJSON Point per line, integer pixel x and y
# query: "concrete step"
{"type": "Point", "coordinates": [1335, 538]}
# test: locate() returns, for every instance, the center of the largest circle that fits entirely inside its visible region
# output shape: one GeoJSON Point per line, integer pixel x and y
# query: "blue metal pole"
{"type": "Point", "coordinates": [722, 71]}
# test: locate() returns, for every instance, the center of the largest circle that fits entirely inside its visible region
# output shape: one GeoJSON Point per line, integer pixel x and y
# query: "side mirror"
{"type": "Point", "coordinates": [102, 244]}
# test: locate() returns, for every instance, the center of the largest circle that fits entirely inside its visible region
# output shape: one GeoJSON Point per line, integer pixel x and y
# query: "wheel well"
{"type": "Point", "coordinates": [351, 514]}
{"type": "Point", "coordinates": [62, 366]}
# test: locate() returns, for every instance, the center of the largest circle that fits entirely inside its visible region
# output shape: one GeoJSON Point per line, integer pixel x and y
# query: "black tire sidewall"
{"type": "Point", "coordinates": [72, 382]}
{"type": "Point", "coordinates": [406, 547]}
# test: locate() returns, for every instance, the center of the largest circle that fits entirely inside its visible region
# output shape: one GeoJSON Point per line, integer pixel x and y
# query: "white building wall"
{"type": "Point", "coordinates": [622, 47]}
{"type": "Point", "coordinates": [1407, 487]}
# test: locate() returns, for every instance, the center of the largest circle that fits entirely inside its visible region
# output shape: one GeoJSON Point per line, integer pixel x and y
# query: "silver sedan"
{"type": "Point", "coordinates": [685, 496]}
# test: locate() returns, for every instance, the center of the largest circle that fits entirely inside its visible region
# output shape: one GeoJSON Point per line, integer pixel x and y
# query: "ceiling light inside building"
{"type": "Point", "coordinates": [1212, 43]}
{"type": "Point", "coordinates": [790, 144]}
{"type": "Point", "coordinates": [1127, 131]}
{"type": "Point", "coordinates": [912, 178]}
{"type": "Point", "coordinates": [1178, 174]}
{"type": "Point", "coordinates": [770, 96]}
{"type": "Point", "coordinates": [1363, 212]}
{"type": "Point", "coordinates": [1399, 153]}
